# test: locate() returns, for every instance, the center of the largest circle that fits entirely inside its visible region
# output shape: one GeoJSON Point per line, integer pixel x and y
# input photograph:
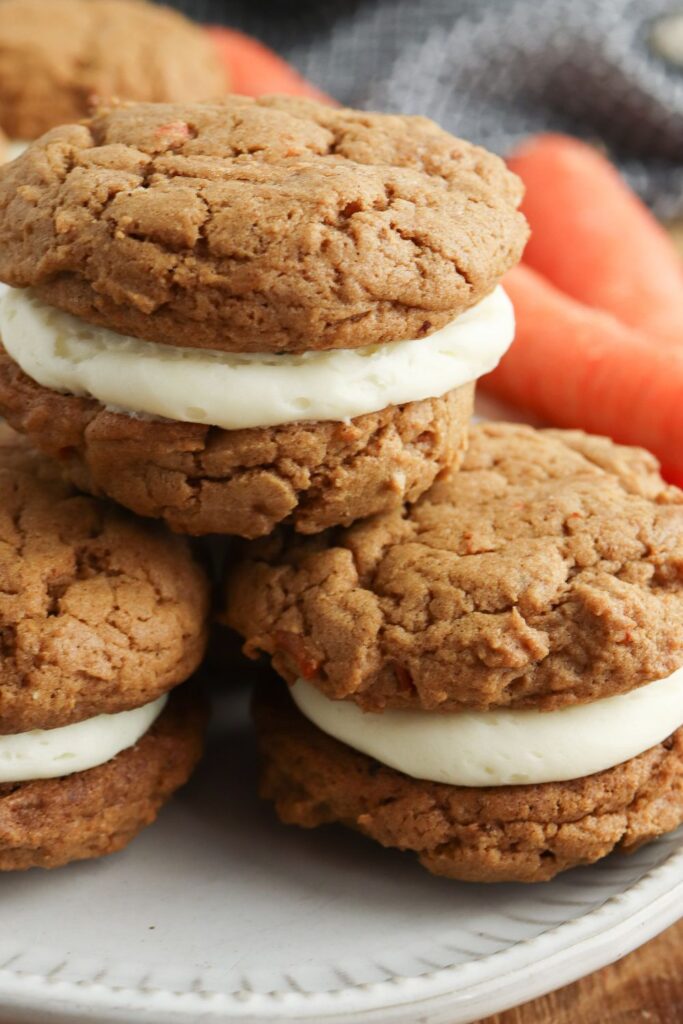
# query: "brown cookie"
{"type": "Point", "coordinates": [208, 480]}
{"type": "Point", "coordinates": [98, 612]}
{"type": "Point", "coordinates": [259, 225]}
{"type": "Point", "coordinates": [501, 834]}
{"type": "Point", "coordinates": [50, 822]}
{"type": "Point", "coordinates": [546, 572]}
{"type": "Point", "coordinates": [57, 57]}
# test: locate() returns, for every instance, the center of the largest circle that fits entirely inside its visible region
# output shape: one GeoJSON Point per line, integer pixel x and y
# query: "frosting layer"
{"type": "Point", "coordinates": [240, 390]}
{"type": "Point", "coordinates": [15, 147]}
{"type": "Point", "coordinates": [504, 747]}
{"type": "Point", "coordinates": [51, 753]}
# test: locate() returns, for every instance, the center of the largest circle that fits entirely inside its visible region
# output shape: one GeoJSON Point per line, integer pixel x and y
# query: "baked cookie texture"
{"type": "Point", "coordinates": [498, 834]}
{"type": "Point", "coordinates": [50, 822]}
{"type": "Point", "coordinates": [204, 480]}
{"type": "Point", "coordinates": [275, 224]}
{"type": "Point", "coordinates": [546, 572]}
{"type": "Point", "coordinates": [60, 56]}
{"type": "Point", "coordinates": [98, 612]}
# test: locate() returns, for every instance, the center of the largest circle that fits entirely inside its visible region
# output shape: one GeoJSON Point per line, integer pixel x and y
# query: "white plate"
{"type": "Point", "coordinates": [218, 913]}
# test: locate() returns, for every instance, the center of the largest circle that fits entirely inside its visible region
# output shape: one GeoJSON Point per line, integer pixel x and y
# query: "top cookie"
{"type": "Point", "coordinates": [547, 572]}
{"type": "Point", "coordinates": [59, 56]}
{"type": "Point", "coordinates": [269, 225]}
{"type": "Point", "coordinates": [99, 612]}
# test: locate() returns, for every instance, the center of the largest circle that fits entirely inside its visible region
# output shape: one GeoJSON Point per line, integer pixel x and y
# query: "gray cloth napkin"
{"type": "Point", "coordinates": [494, 71]}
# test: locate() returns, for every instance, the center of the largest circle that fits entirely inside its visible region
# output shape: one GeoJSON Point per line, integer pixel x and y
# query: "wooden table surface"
{"type": "Point", "coordinates": [645, 987]}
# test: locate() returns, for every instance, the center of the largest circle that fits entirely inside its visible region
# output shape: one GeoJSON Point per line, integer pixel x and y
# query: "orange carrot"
{"type": "Point", "coordinates": [255, 70]}
{"type": "Point", "coordinates": [593, 237]}
{"type": "Point", "coordinates": [579, 367]}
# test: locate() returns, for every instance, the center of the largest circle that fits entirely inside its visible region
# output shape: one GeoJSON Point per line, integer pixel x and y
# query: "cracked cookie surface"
{"type": "Point", "coordinates": [99, 612]}
{"type": "Point", "coordinates": [270, 225]}
{"type": "Point", "coordinates": [58, 57]}
{"type": "Point", "coordinates": [501, 834]}
{"type": "Point", "coordinates": [50, 822]}
{"type": "Point", "coordinates": [546, 572]}
{"type": "Point", "coordinates": [207, 480]}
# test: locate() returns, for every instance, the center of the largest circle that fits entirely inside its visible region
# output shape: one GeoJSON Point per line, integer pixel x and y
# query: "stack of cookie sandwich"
{"type": "Point", "coordinates": [58, 57]}
{"type": "Point", "coordinates": [232, 316]}
{"type": "Point", "coordinates": [492, 678]}
{"type": "Point", "coordinates": [101, 617]}
{"type": "Point", "coordinates": [266, 319]}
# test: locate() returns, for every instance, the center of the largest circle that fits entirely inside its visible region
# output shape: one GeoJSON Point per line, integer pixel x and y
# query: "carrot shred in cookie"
{"type": "Point", "coordinates": [294, 646]}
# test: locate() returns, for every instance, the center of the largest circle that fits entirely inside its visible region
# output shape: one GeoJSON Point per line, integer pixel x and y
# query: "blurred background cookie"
{"type": "Point", "coordinates": [58, 58]}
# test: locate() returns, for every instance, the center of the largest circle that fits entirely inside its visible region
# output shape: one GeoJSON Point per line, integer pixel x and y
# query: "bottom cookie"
{"type": "Point", "coordinates": [501, 834]}
{"type": "Point", "coordinates": [50, 822]}
{"type": "Point", "coordinates": [204, 480]}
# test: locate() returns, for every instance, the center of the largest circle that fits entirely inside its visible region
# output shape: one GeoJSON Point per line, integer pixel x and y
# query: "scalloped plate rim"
{"type": "Point", "coordinates": [617, 926]}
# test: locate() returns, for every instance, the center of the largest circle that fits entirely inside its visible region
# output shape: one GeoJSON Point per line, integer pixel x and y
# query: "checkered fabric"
{"type": "Point", "coordinates": [494, 70]}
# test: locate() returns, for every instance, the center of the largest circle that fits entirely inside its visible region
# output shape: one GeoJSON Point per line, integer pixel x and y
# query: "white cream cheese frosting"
{"type": "Point", "coordinates": [52, 753]}
{"type": "Point", "coordinates": [504, 747]}
{"type": "Point", "coordinates": [237, 390]}
{"type": "Point", "coordinates": [15, 147]}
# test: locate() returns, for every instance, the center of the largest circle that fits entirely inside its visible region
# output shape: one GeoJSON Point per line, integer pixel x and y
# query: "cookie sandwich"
{"type": "Point", "coordinates": [58, 57]}
{"type": "Point", "coordinates": [493, 678]}
{"type": "Point", "coordinates": [101, 616]}
{"type": "Point", "coordinates": [231, 316]}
